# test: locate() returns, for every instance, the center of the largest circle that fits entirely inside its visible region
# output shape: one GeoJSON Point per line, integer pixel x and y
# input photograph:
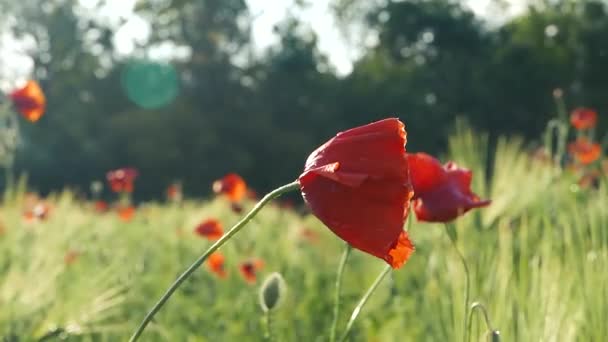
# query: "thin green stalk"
{"type": "Point", "coordinates": [466, 281]}
{"type": "Point", "coordinates": [364, 299]}
{"type": "Point", "coordinates": [341, 266]}
{"type": "Point", "coordinates": [480, 307]}
{"type": "Point", "coordinates": [270, 196]}
{"type": "Point", "coordinates": [268, 326]}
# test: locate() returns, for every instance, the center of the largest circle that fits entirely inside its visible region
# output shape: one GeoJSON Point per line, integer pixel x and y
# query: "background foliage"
{"type": "Point", "coordinates": [260, 115]}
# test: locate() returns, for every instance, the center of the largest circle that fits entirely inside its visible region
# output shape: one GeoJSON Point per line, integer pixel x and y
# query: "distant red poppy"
{"type": "Point", "coordinates": [236, 208]}
{"type": "Point", "coordinates": [29, 101]}
{"type": "Point", "coordinates": [174, 192]}
{"type": "Point", "coordinates": [309, 235]}
{"type": "Point", "coordinates": [358, 185]}
{"type": "Point", "coordinates": [583, 118]}
{"type": "Point", "coordinates": [215, 263]}
{"type": "Point", "coordinates": [231, 185]}
{"type": "Point", "coordinates": [585, 151]}
{"type": "Point", "coordinates": [121, 180]}
{"type": "Point", "coordinates": [101, 206]}
{"type": "Point", "coordinates": [441, 193]}
{"type": "Point", "coordinates": [71, 256]}
{"type": "Point", "coordinates": [37, 212]}
{"type": "Point", "coordinates": [126, 213]}
{"type": "Point", "coordinates": [590, 179]}
{"type": "Point", "coordinates": [210, 229]}
{"type": "Point", "coordinates": [250, 268]}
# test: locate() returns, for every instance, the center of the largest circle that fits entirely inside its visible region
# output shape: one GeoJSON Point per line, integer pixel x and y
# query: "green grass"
{"type": "Point", "coordinates": [538, 258]}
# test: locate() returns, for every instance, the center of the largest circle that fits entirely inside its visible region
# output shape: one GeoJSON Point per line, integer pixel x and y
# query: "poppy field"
{"type": "Point", "coordinates": [515, 247]}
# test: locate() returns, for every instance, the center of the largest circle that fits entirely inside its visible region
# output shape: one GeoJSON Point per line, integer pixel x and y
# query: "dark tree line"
{"type": "Point", "coordinates": [261, 116]}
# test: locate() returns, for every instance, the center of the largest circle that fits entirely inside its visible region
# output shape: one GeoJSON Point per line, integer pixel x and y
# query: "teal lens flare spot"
{"type": "Point", "coordinates": [150, 84]}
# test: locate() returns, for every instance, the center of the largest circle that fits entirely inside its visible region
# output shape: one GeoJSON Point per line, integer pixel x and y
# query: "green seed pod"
{"type": "Point", "coordinates": [272, 291]}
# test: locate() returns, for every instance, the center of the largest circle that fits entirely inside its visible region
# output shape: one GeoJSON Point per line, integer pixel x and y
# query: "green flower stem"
{"type": "Point", "coordinates": [343, 260]}
{"type": "Point", "coordinates": [480, 307]}
{"type": "Point", "coordinates": [268, 326]}
{"type": "Point", "coordinates": [364, 300]}
{"type": "Point", "coordinates": [466, 281]}
{"type": "Point", "coordinates": [270, 196]}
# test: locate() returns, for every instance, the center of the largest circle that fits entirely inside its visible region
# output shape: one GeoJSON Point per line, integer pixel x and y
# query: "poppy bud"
{"type": "Point", "coordinates": [271, 292]}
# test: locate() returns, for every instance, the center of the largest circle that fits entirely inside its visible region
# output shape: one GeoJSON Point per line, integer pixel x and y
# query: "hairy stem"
{"type": "Point", "coordinates": [270, 196]}
{"type": "Point", "coordinates": [364, 299]}
{"type": "Point", "coordinates": [341, 266]}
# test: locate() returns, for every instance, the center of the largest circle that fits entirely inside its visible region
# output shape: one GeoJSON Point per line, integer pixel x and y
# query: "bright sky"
{"type": "Point", "coordinates": [267, 13]}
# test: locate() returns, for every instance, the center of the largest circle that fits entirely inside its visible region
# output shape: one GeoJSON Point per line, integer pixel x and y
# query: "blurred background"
{"type": "Point", "coordinates": [190, 90]}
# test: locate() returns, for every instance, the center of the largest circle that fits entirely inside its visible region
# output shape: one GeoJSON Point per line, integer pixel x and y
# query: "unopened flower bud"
{"type": "Point", "coordinates": [495, 336]}
{"type": "Point", "coordinates": [272, 291]}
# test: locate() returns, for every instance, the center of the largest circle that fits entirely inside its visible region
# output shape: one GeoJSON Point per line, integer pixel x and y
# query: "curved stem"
{"type": "Point", "coordinates": [486, 317]}
{"type": "Point", "coordinates": [270, 196]}
{"type": "Point", "coordinates": [364, 300]}
{"type": "Point", "coordinates": [466, 282]}
{"type": "Point", "coordinates": [343, 260]}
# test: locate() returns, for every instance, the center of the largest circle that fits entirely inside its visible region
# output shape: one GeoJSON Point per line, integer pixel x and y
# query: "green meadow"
{"type": "Point", "coordinates": [537, 256]}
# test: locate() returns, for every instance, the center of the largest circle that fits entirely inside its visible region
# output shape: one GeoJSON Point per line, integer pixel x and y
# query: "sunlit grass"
{"type": "Point", "coordinates": [538, 257]}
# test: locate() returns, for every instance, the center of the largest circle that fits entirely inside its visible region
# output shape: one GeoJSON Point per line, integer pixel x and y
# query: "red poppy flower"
{"type": "Point", "coordinates": [585, 151]}
{"type": "Point", "coordinates": [210, 229]}
{"type": "Point", "coordinates": [358, 185]}
{"type": "Point", "coordinates": [309, 235]}
{"type": "Point", "coordinates": [37, 212]}
{"type": "Point", "coordinates": [590, 179]}
{"type": "Point", "coordinates": [236, 208]}
{"type": "Point", "coordinates": [126, 213]}
{"type": "Point", "coordinates": [174, 192]}
{"type": "Point", "coordinates": [441, 193]}
{"type": "Point", "coordinates": [122, 179]}
{"type": "Point", "coordinates": [29, 101]}
{"type": "Point", "coordinates": [71, 256]}
{"type": "Point", "coordinates": [215, 263]}
{"type": "Point", "coordinates": [583, 118]}
{"type": "Point", "coordinates": [101, 206]}
{"type": "Point", "coordinates": [231, 185]}
{"type": "Point", "coordinates": [250, 268]}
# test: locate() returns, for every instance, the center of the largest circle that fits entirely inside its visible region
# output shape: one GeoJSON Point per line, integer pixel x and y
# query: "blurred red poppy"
{"type": "Point", "coordinates": [121, 180]}
{"type": "Point", "coordinates": [309, 235]}
{"type": "Point", "coordinates": [210, 229]}
{"type": "Point", "coordinates": [590, 179]}
{"type": "Point", "coordinates": [583, 118]}
{"type": "Point", "coordinates": [236, 208]}
{"type": "Point", "coordinates": [36, 212]}
{"type": "Point", "coordinates": [358, 185]}
{"type": "Point", "coordinates": [174, 192]}
{"type": "Point", "coordinates": [585, 151]}
{"type": "Point", "coordinates": [231, 185]}
{"type": "Point", "coordinates": [126, 213]}
{"type": "Point", "coordinates": [250, 268]}
{"type": "Point", "coordinates": [29, 101]}
{"type": "Point", "coordinates": [215, 263]}
{"type": "Point", "coordinates": [441, 193]}
{"type": "Point", "coordinates": [101, 206]}
{"type": "Point", "coordinates": [71, 256]}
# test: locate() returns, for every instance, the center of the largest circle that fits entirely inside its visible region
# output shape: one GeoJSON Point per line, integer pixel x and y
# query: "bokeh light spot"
{"type": "Point", "coordinates": [150, 84]}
